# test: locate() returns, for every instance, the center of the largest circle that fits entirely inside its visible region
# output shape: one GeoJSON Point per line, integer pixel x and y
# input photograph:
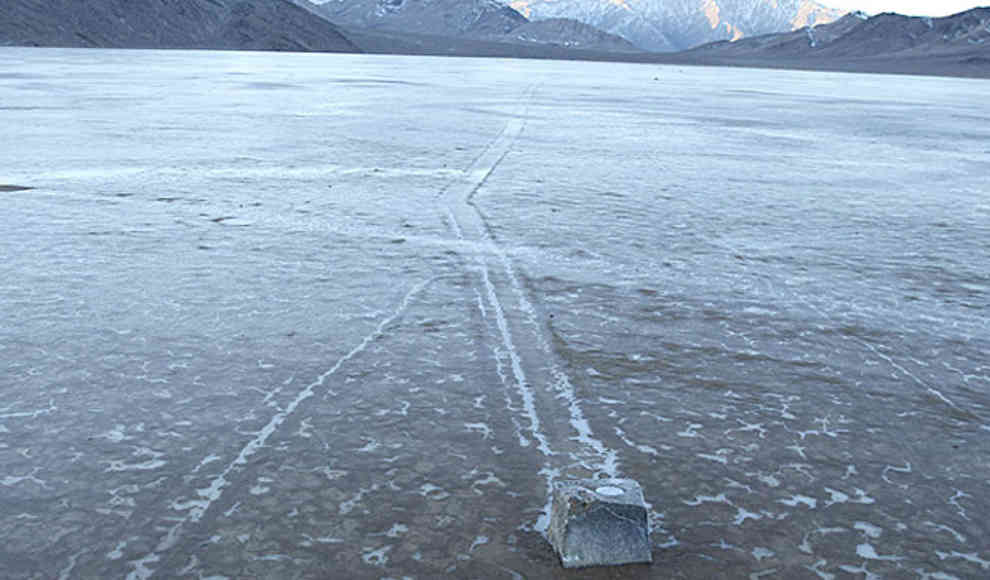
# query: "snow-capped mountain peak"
{"type": "Point", "coordinates": [666, 25]}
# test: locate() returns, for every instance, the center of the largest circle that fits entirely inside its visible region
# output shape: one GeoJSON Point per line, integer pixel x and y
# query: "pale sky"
{"type": "Point", "coordinates": [909, 7]}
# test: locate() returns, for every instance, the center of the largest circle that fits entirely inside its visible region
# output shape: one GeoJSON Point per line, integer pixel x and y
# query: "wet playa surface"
{"type": "Point", "coordinates": [315, 316]}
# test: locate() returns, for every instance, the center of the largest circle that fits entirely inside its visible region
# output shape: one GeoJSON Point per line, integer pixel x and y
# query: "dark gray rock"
{"type": "Point", "coordinates": [599, 522]}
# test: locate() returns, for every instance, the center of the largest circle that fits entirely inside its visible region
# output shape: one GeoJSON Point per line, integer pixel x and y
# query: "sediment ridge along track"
{"type": "Point", "coordinates": [521, 340]}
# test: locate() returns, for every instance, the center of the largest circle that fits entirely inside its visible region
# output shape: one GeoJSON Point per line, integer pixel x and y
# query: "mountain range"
{"type": "Point", "coordinates": [810, 36]}
{"type": "Point", "coordinates": [478, 20]}
{"type": "Point", "coordinates": [650, 25]}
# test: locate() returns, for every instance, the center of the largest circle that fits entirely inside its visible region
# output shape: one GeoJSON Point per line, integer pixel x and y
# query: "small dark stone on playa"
{"type": "Point", "coordinates": [599, 523]}
{"type": "Point", "coordinates": [7, 188]}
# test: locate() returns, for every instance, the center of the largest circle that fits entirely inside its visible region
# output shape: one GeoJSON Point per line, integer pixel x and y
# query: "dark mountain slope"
{"type": "Point", "coordinates": [957, 45]}
{"type": "Point", "coordinates": [893, 33]}
{"type": "Point", "coordinates": [856, 36]}
{"type": "Point", "coordinates": [476, 19]}
{"type": "Point", "coordinates": [215, 24]}
{"type": "Point", "coordinates": [571, 34]}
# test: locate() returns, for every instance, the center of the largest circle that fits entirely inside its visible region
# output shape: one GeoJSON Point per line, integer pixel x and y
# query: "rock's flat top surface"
{"type": "Point", "coordinates": [612, 490]}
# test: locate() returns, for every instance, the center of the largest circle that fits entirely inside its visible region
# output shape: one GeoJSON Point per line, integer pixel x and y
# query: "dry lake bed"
{"type": "Point", "coordinates": [334, 316]}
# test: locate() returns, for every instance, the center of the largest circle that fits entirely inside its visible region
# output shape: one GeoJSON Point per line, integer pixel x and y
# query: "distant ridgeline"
{"type": "Point", "coordinates": [650, 25]}
{"type": "Point", "coordinates": [296, 25]}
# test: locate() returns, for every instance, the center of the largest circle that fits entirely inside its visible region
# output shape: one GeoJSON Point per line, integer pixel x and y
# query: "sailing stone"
{"type": "Point", "coordinates": [599, 522]}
